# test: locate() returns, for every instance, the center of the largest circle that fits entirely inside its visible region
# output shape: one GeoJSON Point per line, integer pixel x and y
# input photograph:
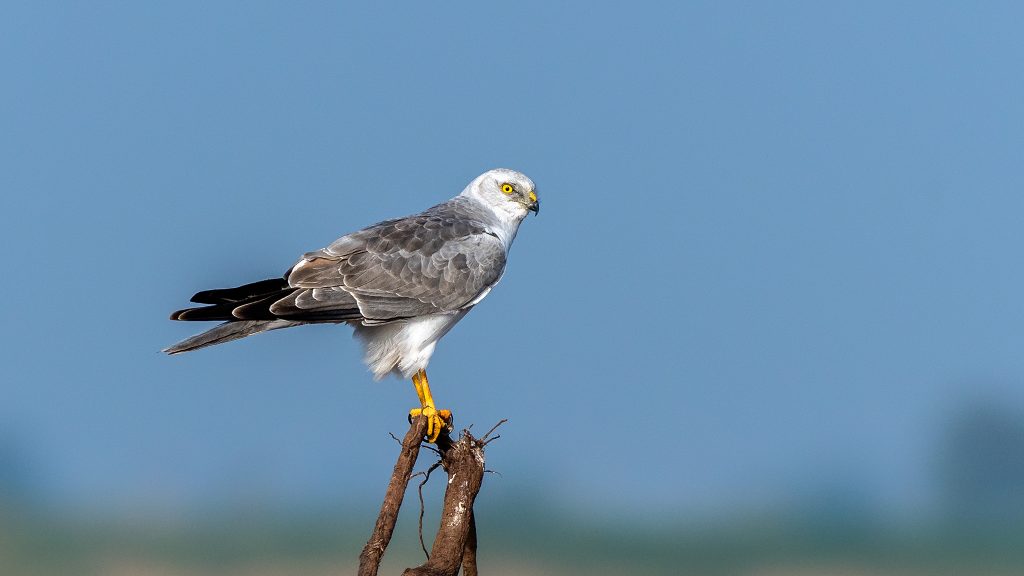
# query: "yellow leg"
{"type": "Point", "coordinates": [436, 419]}
{"type": "Point", "coordinates": [419, 379]}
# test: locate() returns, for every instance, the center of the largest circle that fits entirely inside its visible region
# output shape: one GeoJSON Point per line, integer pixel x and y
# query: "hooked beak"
{"type": "Point", "coordinates": [534, 205]}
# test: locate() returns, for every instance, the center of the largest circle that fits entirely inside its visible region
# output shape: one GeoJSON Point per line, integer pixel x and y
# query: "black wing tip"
{"type": "Point", "coordinates": [220, 302]}
{"type": "Point", "coordinates": [253, 308]}
{"type": "Point", "coordinates": [205, 297]}
{"type": "Point", "coordinates": [240, 293]}
{"type": "Point", "coordinates": [258, 308]}
{"type": "Point", "coordinates": [215, 312]}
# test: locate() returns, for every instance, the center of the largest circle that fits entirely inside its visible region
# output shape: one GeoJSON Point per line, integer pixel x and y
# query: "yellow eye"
{"type": "Point", "coordinates": [506, 188]}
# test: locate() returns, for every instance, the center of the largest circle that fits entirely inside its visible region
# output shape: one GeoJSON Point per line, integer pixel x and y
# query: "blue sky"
{"type": "Point", "coordinates": [780, 243]}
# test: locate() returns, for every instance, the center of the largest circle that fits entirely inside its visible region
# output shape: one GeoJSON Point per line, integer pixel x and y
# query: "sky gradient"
{"type": "Point", "coordinates": [779, 250]}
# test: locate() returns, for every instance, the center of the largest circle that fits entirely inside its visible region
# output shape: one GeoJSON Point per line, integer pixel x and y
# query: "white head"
{"type": "Point", "coordinates": [508, 193]}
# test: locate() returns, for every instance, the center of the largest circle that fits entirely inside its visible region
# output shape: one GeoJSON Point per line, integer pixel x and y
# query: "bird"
{"type": "Point", "coordinates": [402, 284]}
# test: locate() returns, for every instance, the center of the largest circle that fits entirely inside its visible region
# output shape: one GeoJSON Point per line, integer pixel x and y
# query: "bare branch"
{"type": "Point", "coordinates": [369, 559]}
{"type": "Point", "coordinates": [491, 431]}
{"type": "Point", "coordinates": [456, 542]}
{"type": "Point", "coordinates": [469, 552]}
{"type": "Point", "coordinates": [464, 462]}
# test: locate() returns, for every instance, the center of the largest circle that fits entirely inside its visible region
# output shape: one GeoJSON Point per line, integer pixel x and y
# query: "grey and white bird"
{"type": "Point", "coordinates": [402, 284]}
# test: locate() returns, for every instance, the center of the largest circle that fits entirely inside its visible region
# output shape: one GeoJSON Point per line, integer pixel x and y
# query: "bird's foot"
{"type": "Point", "coordinates": [437, 420]}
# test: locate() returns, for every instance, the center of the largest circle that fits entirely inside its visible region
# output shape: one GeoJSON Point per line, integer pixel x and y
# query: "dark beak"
{"type": "Point", "coordinates": [534, 207]}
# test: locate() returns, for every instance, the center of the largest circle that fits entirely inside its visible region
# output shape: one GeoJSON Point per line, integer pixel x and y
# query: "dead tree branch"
{"type": "Point", "coordinates": [455, 542]}
{"type": "Point", "coordinates": [464, 463]}
{"type": "Point", "coordinates": [469, 552]}
{"type": "Point", "coordinates": [369, 560]}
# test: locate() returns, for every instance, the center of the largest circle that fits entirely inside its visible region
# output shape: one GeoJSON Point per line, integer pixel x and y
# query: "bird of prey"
{"type": "Point", "coordinates": [402, 284]}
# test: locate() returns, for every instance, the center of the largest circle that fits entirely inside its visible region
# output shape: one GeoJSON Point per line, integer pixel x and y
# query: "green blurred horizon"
{"type": "Point", "coordinates": [511, 542]}
{"type": "Point", "coordinates": [976, 527]}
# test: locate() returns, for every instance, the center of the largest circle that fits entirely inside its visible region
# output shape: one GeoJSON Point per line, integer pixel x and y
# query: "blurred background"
{"type": "Point", "coordinates": [769, 321]}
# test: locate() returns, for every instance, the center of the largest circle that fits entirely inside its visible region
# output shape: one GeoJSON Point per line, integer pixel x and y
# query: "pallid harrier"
{"type": "Point", "coordinates": [402, 284]}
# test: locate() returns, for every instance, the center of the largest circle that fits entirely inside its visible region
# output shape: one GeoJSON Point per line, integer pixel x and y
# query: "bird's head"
{"type": "Point", "coordinates": [505, 191]}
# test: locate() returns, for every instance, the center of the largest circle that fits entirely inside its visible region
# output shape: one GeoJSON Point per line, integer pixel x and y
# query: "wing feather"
{"type": "Point", "coordinates": [429, 263]}
{"type": "Point", "coordinates": [441, 260]}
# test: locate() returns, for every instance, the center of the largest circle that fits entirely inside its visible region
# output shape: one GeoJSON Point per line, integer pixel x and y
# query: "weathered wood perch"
{"type": "Point", "coordinates": [455, 542]}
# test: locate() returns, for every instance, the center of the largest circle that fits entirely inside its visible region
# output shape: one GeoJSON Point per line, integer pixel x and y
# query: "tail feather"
{"type": "Point", "coordinates": [227, 332]}
{"type": "Point", "coordinates": [246, 310]}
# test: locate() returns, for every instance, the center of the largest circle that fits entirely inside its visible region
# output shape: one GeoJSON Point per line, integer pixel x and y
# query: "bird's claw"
{"type": "Point", "coordinates": [437, 421]}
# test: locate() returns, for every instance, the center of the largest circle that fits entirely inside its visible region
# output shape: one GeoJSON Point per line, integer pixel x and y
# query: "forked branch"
{"type": "Point", "coordinates": [455, 542]}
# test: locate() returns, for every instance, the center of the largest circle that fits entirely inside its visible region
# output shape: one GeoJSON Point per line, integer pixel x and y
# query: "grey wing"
{"type": "Point", "coordinates": [403, 268]}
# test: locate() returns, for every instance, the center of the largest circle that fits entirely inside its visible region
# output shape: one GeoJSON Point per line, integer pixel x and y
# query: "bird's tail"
{"type": "Point", "coordinates": [227, 332]}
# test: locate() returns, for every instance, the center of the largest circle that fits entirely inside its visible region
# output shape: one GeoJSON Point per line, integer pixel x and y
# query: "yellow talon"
{"type": "Point", "coordinates": [437, 420]}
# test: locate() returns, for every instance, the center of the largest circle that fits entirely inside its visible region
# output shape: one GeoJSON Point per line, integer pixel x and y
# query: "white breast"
{"type": "Point", "coordinates": [404, 347]}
